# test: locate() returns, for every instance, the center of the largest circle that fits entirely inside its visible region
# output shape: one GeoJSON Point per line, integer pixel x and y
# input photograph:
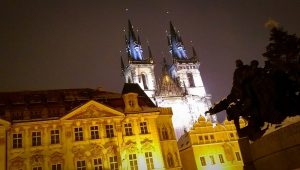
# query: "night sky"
{"type": "Point", "coordinates": [78, 44]}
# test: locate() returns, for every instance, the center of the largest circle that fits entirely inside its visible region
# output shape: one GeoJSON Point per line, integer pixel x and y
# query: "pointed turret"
{"type": "Point", "coordinates": [175, 44]}
{"type": "Point", "coordinates": [194, 52]}
{"type": "Point", "coordinates": [150, 54]}
{"type": "Point", "coordinates": [122, 65]}
{"type": "Point", "coordinates": [131, 34]}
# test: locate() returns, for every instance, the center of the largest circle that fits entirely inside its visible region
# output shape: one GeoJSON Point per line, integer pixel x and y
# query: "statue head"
{"type": "Point", "coordinates": [239, 63]}
{"type": "Point", "coordinates": [254, 63]}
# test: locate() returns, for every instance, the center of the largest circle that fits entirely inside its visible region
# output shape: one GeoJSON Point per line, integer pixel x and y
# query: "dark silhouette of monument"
{"type": "Point", "coordinates": [268, 94]}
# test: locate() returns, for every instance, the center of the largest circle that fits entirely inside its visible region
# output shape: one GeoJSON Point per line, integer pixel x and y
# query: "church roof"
{"type": "Point", "coordinates": [56, 103]}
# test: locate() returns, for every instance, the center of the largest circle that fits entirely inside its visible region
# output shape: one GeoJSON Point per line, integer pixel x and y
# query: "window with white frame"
{"type": "Point", "coordinates": [212, 160]}
{"type": "Point", "coordinates": [56, 167]}
{"type": "Point", "coordinates": [109, 131]}
{"type": "Point", "coordinates": [133, 162]}
{"type": "Point", "coordinates": [221, 158]}
{"type": "Point", "coordinates": [54, 136]}
{"type": "Point", "coordinates": [128, 129]}
{"type": "Point", "coordinates": [113, 161]}
{"type": "Point", "coordinates": [36, 138]}
{"type": "Point", "coordinates": [149, 160]}
{"type": "Point", "coordinates": [143, 126]}
{"type": "Point", "coordinates": [78, 132]}
{"type": "Point", "coordinates": [81, 165]}
{"type": "Point", "coordinates": [98, 164]}
{"type": "Point", "coordinates": [37, 168]}
{"type": "Point", "coordinates": [94, 132]}
{"type": "Point", "coordinates": [202, 160]}
{"type": "Point", "coordinates": [238, 156]}
{"type": "Point", "coordinates": [17, 140]}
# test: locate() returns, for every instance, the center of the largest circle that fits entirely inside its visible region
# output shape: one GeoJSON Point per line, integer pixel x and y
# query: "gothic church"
{"type": "Point", "coordinates": [179, 86]}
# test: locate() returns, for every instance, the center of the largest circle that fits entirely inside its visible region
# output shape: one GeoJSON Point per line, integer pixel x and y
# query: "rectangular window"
{"type": "Point", "coordinates": [81, 165]}
{"type": "Point", "coordinates": [128, 129]}
{"type": "Point", "coordinates": [55, 136]}
{"type": "Point", "coordinates": [37, 168]}
{"type": "Point", "coordinates": [238, 156]}
{"type": "Point", "coordinates": [221, 158]}
{"type": "Point", "coordinates": [202, 160]}
{"type": "Point", "coordinates": [36, 139]}
{"type": "Point", "coordinates": [109, 131]}
{"type": "Point", "coordinates": [231, 135]}
{"type": "Point", "coordinates": [143, 126]}
{"type": "Point", "coordinates": [113, 161]}
{"type": "Point", "coordinates": [206, 137]}
{"type": "Point", "coordinates": [149, 160]}
{"type": "Point", "coordinates": [133, 162]}
{"type": "Point", "coordinates": [94, 132]}
{"type": "Point", "coordinates": [200, 139]}
{"type": "Point", "coordinates": [56, 167]}
{"type": "Point", "coordinates": [17, 140]}
{"type": "Point", "coordinates": [18, 115]}
{"type": "Point", "coordinates": [78, 134]}
{"type": "Point", "coordinates": [98, 164]}
{"type": "Point", "coordinates": [212, 160]}
{"type": "Point", "coordinates": [212, 138]}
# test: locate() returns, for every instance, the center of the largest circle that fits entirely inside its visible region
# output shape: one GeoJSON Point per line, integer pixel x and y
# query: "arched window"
{"type": "Point", "coordinates": [128, 80]}
{"type": "Point", "coordinates": [191, 79]}
{"type": "Point", "coordinates": [165, 134]}
{"type": "Point", "coordinates": [170, 160]}
{"type": "Point", "coordinates": [144, 81]}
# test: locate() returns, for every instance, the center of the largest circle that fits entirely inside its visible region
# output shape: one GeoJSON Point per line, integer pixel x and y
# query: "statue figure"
{"type": "Point", "coordinates": [259, 95]}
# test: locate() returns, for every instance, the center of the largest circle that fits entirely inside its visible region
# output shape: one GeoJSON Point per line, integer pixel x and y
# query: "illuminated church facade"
{"type": "Point", "coordinates": [85, 129]}
{"type": "Point", "coordinates": [180, 85]}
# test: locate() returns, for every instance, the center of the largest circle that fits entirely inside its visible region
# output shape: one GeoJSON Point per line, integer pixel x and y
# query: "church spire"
{"type": "Point", "coordinates": [134, 48]}
{"type": "Point", "coordinates": [122, 65]}
{"type": "Point", "coordinates": [176, 45]}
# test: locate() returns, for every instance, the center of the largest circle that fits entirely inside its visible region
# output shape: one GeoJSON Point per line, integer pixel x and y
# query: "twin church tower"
{"type": "Point", "coordinates": [180, 84]}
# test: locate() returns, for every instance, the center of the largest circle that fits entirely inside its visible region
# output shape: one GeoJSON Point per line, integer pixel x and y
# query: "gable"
{"type": "Point", "coordinates": [92, 109]}
{"type": "Point", "coordinates": [4, 123]}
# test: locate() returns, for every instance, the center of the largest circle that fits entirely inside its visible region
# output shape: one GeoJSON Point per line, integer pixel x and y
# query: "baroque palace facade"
{"type": "Point", "coordinates": [206, 147]}
{"type": "Point", "coordinates": [85, 129]}
{"type": "Point", "coordinates": [180, 85]}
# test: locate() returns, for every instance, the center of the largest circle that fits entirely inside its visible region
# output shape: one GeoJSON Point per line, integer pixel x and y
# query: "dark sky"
{"type": "Point", "coordinates": [76, 44]}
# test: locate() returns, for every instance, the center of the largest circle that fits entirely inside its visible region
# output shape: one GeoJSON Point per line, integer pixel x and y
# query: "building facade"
{"type": "Point", "coordinates": [85, 129]}
{"type": "Point", "coordinates": [180, 85]}
{"type": "Point", "coordinates": [208, 147]}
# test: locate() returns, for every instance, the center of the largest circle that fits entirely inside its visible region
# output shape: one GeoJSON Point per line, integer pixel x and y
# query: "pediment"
{"type": "Point", "coordinates": [4, 123]}
{"type": "Point", "coordinates": [92, 109]}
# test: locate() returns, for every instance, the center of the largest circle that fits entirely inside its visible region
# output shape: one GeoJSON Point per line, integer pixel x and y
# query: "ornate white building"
{"type": "Point", "coordinates": [180, 85]}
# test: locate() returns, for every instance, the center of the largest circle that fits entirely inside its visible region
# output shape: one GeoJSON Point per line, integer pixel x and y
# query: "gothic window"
{"type": "Point", "coordinates": [144, 81]}
{"type": "Point", "coordinates": [113, 161]}
{"type": "Point", "coordinates": [36, 139]}
{"type": "Point", "coordinates": [238, 156]}
{"type": "Point", "coordinates": [81, 165]}
{"type": "Point", "coordinates": [98, 164]}
{"type": "Point", "coordinates": [149, 160]}
{"type": "Point", "coordinates": [200, 139]}
{"type": "Point", "coordinates": [78, 134]}
{"type": "Point", "coordinates": [37, 168]}
{"type": "Point", "coordinates": [212, 138]}
{"type": "Point", "coordinates": [221, 158]}
{"type": "Point", "coordinates": [17, 140]}
{"type": "Point", "coordinates": [55, 136]}
{"type": "Point", "coordinates": [165, 134]}
{"type": "Point", "coordinates": [128, 80]}
{"type": "Point", "coordinates": [109, 131]}
{"type": "Point", "coordinates": [202, 160]}
{"type": "Point", "coordinates": [212, 160]}
{"type": "Point", "coordinates": [94, 132]}
{"type": "Point", "coordinates": [170, 160]}
{"type": "Point", "coordinates": [128, 129]}
{"type": "Point", "coordinates": [56, 167]}
{"type": "Point", "coordinates": [133, 162]}
{"type": "Point", "coordinates": [191, 79]}
{"type": "Point", "coordinates": [131, 103]}
{"type": "Point", "coordinates": [144, 129]}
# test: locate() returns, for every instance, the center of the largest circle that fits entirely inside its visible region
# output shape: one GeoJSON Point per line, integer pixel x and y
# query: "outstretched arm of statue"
{"type": "Point", "coordinates": [218, 107]}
